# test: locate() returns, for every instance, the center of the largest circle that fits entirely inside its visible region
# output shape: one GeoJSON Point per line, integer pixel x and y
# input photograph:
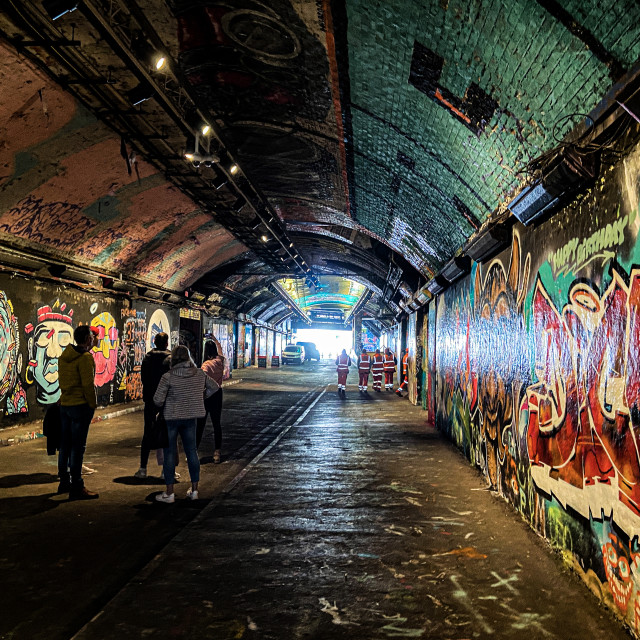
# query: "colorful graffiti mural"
{"type": "Point", "coordinates": [536, 372]}
{"type": "Point", "coordinates": [134, 341]}
{"type": "Point", "coordinates": [584, 408]}
{"type": "Point", "coordinates": [11, 388]}
{"type": "Point", "coordinates": [105, 353]}
{"type": "Point", "coordinates": [29, 368]}
{"type": "Point", "coordinates": [46, 340]}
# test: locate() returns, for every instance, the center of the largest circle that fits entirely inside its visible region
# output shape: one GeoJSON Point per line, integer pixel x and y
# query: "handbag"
{"type": "Point", "coordinates": [158, 435]}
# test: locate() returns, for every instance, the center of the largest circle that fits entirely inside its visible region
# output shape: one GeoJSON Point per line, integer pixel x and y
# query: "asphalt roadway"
{"type": "Point", "coordinates": [328, 518]}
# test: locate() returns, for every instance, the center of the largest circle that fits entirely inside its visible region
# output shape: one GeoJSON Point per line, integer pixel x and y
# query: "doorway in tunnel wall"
{"type": "Point", "coordinates": [329, 342]}
{"type": "Point", "coordinates": [191, 332]}
{"type": "Point", "coordinates": [248, 345]}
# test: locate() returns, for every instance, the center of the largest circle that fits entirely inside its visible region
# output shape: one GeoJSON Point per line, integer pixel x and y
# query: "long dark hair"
{"type": "Point", "coordinates": [210, 350]}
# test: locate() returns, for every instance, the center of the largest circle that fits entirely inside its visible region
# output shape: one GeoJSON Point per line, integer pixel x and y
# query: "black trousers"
{"type": "Point", "coordinates": [150, 413]}
{"type": "Point", "coordinates": [213, 407]}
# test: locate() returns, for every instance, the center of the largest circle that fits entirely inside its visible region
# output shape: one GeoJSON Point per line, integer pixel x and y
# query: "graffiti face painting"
{"type": "Point", "coordinates": [52, 333]}
{"type": "Point", "coordinates": [105, 354]}
{"type": "Point", "coordinates": [10, 360]}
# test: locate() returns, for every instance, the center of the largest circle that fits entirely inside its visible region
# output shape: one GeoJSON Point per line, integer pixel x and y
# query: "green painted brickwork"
{"type": "Point", "coordinates": [523, 57]}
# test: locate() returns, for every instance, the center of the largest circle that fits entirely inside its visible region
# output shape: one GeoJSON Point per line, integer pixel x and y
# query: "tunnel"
{"type": "Point", "coordinates": [454, 183]}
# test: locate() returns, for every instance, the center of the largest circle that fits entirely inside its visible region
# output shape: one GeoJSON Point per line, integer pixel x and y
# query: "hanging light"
{"type": "Point", "coordinates": [206, 129]}
{"type": "Point", "coordinates": [161, 61]}
{"type": "Point", "coordinates": [190, 148]}
{"type": "Point", "coordinates": [57, 8]}
{"type": "Point", "coordinates": [140, 93]}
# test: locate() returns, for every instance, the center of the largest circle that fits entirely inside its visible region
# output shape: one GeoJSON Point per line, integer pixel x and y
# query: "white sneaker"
{"type": "Point", "coordinates": [192, 495]}
{"type": "Point", "coordinates": [176, 475]}
{"type": "Point", "coordinates": [167, 498]}
{"type": "Point", "coordinates": [140, 473]}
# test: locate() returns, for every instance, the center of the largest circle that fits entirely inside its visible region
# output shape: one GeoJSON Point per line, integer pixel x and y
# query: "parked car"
{"type": "Point", "coordinates": [310, 350]}
{"type": "Point", "coordinates": [293, 353]}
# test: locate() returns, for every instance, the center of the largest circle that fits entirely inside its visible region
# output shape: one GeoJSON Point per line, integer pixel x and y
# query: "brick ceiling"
{"type": "Point", "coordinates": [378, 134]}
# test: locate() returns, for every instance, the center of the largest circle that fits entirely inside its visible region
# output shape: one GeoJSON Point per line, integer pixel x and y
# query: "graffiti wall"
{"type": "Point", "coordinates": [538, 381]}
{"type": "Point", "coordinates": [36, 325]}
{"type": "Point", "coordinates": [429, 355]}
{"type": "Point", "coordinates": [414, 343]}
{"type": "Point", "coordinates": [370, 341]}
{"type": "Point", "coordinates": [240, 344]}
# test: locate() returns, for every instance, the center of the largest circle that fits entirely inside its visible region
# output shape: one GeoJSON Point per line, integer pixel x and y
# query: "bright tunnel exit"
{"type": "Point", "coordinates": [329, 342]}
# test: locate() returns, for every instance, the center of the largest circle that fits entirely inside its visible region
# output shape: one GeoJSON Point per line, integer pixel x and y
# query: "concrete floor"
{"type": "Point", "coordinates": [329, 518]}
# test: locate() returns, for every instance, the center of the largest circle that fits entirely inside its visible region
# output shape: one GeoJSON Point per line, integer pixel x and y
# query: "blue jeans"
{"type": "Point", "coordinates": [75, 423]}
{"type": "Point", "coordinates": [187, 430]}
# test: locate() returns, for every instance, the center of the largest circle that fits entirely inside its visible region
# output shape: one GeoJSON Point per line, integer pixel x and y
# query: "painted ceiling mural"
{"type": "Point", "coordinates": [65, 189]}
{"type": "Point", "coordinates": [331, 293]}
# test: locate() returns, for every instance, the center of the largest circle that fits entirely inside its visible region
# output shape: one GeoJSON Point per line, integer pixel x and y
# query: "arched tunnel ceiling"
{"type": "Point", "coordinates": [373, 137]}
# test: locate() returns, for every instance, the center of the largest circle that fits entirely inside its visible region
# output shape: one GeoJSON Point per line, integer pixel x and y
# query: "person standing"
{"type": "Point", "coordinates": [364, 366]}
{"type": "Point", "coordinates": [405, 373]}
{"type": "Point", "coordinates": [213, 366]}
{"type": "Point", "coordinates": [389, 369]}
{"type": "Point", "coordinates": [343, 362]}
{"type": "Point", "coordinates": [154, 365]}
{"type": "Point", "coordinates": [377, 367]}
{"type": "Point", "coordinates": [78, 401]}
{"type": "Point", "coordinates": [181, 393]}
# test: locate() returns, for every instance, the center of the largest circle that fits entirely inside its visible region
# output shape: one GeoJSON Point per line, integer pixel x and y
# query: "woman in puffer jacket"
{"type": "Point", "coordinates": [181, 395]}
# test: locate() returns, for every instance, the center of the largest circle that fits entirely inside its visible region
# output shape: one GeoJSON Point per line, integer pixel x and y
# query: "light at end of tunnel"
{"type": "Point", "coordinates": [161, 61]}
{"type": "Point", "coordinates": [205, 129]}
{"type": "Point", "coordinates": [234, 169]}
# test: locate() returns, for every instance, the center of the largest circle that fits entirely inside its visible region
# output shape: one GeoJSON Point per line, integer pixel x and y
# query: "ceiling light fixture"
{"type": "Point", "coordinates": [160, 62]}
{"type": "Point", "coordinates": [140, 93]}
{"type": "Point", "coordinates": [456, 268]}
{"type": "Point", "coordinates": [218, 182]}
{"type": "Point", "coordinates": [57, 8]}
{"type": "Point", "coordinates": [264, 238]}
{"type": "Point", "coordinates": [206, 129]}
{"type": "Point", "coordinates": [234, 169]}
{"type": "Point", "coordinates": [195, 154]}
{"type": "Point", "coordinates": [487, 244]}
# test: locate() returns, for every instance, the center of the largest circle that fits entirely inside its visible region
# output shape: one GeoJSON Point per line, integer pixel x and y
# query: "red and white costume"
{"type": "Point", "coordinates": [364, 366]}
{"type": "Point", "coordinates": [343, 362]}
{"type": "Point", "coordinates": [389, 369]}
{"type": "Point", "coordinates": [377, 368]}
